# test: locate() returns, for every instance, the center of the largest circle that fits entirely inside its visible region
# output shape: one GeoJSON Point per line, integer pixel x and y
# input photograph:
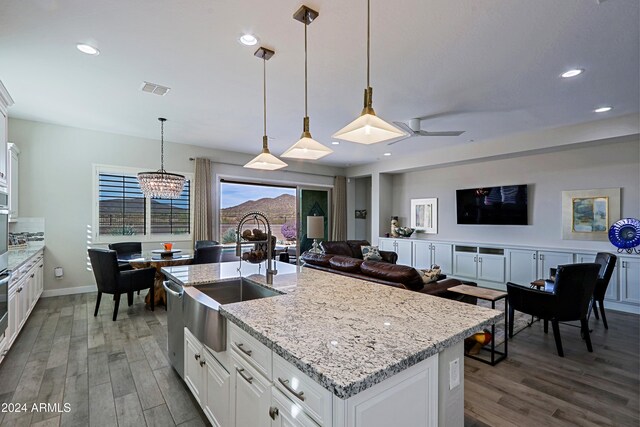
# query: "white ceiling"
{"type": "Point", "coordinates": [490, 67]}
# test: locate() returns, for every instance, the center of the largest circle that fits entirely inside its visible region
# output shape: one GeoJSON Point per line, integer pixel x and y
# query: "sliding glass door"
{"type": "Point", "coordinates": [312, 202]}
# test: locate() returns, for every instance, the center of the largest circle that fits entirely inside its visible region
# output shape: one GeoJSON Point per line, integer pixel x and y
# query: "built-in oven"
{"type": "Point", "coordinates": [4, 262]}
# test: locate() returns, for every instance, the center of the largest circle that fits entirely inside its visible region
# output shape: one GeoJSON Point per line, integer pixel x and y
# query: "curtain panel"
{"type": "Point", "coordinates": [202, 209]}
{"type": "Point", "coordinates": [339, 230]}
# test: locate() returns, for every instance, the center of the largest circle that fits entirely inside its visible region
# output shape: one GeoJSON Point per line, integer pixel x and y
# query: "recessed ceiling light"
{"type": "Point", "coordinates": [88, 49]}
{"type": "Point", "coordinates": [572, 73]}
{"type": "Point", "coordinates": [335, 143]}
{"type": "Point", "coordinates": [387, 154]}
{"type": "Point", "coordinates": [249, 40]}
{"type": "Point", "coordinates": [602, 109]}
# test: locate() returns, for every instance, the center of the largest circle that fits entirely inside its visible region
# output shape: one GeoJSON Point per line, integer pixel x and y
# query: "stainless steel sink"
{"type": "Point", "coordinates": [202, 303]}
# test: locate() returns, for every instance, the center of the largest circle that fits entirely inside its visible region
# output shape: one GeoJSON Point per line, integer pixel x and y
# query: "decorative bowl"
{"type": "Point", "coordinates": [404, 231]}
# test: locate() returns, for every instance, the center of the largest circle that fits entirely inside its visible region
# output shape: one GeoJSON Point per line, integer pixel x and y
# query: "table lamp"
{"type": "Point", "coordinates": [315, 231]}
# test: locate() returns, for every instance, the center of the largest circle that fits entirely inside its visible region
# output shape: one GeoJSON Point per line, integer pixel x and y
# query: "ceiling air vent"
{"type": "Point", "coordinates": [155, 88]}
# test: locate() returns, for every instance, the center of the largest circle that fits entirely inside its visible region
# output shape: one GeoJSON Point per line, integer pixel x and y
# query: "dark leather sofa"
{"type": "Point", "coordinates": [345, 258]}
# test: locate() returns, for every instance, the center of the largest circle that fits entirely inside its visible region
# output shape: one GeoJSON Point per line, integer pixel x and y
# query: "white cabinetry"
{"type": "Point", "coordinates": [522, 266]}
{"type": "Point", "coordinates": [13, 166]}
{"type": "Point", "coordinates": [402, 247]}
{"type": "Point", "coordinates": [426, 254]}
{"type": "Point", "coordinates": [285, 413]}
{"type": "Point", "coordinates": [552, 259]}
{"type": "Point", "coordinates": [5, 103]}
{"type": "Point", "coordinates": [629, 279]}
{"type": "Point", "coordinates": [250, 395]}
{"type": "Point", "coordinates": [25, 287]}
{"type": "Point", "coordinates": [207, 379]}
{"type": "Point", "coordinates": [479, 263]}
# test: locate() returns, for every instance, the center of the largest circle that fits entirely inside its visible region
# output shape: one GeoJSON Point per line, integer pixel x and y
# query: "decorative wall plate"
{"type": "Point", "coordinates": [625, 233]}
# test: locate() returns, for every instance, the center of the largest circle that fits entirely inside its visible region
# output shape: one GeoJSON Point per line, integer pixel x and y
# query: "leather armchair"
{"type": "Point", "coordinates": [110, 280]}
{"type": "Point", "coordinates": [126, 248]}
{"type": "Point", "coordinates": [607, 264]}
{"type": "Point", "coordinates": [569, 300]}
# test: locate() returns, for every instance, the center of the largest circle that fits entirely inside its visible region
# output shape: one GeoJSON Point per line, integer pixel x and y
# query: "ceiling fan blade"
{"type": "Point", "coordinates": [447, 133]}
{"type": "Point", "coordinates": [401, 139]}
{"type": "Point", "coordinates": [405, 128]}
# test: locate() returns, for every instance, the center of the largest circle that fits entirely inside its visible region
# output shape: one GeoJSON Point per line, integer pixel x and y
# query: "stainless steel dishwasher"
{"type": "Point", "coordinates": [175, 326]}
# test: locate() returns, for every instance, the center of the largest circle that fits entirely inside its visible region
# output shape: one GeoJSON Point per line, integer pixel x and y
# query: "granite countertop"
{"type": "Point", "coordinates": [17, 257]}
{"type": "Point", "coordinates": [345, 333]}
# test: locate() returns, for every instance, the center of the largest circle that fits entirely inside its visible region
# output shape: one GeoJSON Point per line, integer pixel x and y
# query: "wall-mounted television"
{"type": "Point", "coordinates": [504, 205]}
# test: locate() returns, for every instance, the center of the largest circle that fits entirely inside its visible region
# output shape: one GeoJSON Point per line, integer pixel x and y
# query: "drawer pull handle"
{"type": "Point", "coordinates": [298, 394]}
{"type": "Point", "coordinates": [197, 356]}
{"type": "Point", "coordinates": [202, 363]}
{"type": "Point", "coordinates": [273, 413]}
{"type": "Point", "coordinates": [248, 379]}
{"type": "Point", "coordinates": [247, 352]}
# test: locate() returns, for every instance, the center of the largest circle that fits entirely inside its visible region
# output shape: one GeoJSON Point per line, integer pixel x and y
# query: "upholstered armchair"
{"type": "Point", "coordinates": [110, 280]}
{"type": "Point", "coordinates": [569, 300]}
{"type": "Point", "coordinates": [126, 248]}
{"type": "Point", "coordinates": [207, 254]}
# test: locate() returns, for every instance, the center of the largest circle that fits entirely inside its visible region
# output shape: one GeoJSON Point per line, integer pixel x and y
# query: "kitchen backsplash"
{"type": "Point", "coordinates": [26, 230]}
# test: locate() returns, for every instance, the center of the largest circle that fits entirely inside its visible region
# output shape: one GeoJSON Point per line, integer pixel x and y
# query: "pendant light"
{"type": "Point", "coordinates": [161, 184]}
{"type": "Point", "coordinates": [306, 148]}
{"type": "Point", "coordinates": [265, 160]}
{"type": "Point", "coordinates": [369, 128]}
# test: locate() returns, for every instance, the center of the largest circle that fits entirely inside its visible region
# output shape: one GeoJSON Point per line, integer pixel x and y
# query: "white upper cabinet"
{"type": "Point", "coordinates": [5, 103]}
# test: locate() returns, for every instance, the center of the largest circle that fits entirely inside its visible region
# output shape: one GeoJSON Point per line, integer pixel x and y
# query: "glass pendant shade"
{"type": "Point", "coordinates": [161, 184]}
{"type": "Point", "coordinates": [369, 128]}
{"type": "Point", "coordinates": [265, 160]}
{"type": "Point", "coordinates": [307, 148]}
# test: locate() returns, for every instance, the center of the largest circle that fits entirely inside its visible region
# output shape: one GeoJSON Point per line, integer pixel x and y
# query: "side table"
{"type": "Point", "coordinates": [493, 296]}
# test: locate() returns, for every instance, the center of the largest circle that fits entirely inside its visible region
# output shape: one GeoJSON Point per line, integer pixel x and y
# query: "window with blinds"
{"type": "Point", "coordinates": [121, 205]}
{"type": "Point", "coordinates": [124, 211]}
{"type": "Point", "coordinates": [172, 216]}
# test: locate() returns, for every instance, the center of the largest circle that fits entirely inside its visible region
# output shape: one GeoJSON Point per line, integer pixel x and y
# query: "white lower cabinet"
{"type": "Point", "coordinates": [629, 280]}
{"type": "Point", "coordinates": [522, 266]}
{"type": "Point", "coordinates": [426, 254]}
{"type": "Point", "coordinates": [402, 247]}
{"type": "Point", "coordinates": [207, 379]}
{"type": "Point", "coordinates": [25, 288]}
{"type": "Point", "coordinates": [551, 259]}
{"type": "Point", "coordinates": [286, 413]}
{"type": "Point", "coordinates": [250, 395]}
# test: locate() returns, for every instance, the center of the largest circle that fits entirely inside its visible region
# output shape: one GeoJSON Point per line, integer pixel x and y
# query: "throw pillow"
{"type": "Point", "coordinates": [431, 275]}
{"type": "Point", "coordinates": [371, 253]}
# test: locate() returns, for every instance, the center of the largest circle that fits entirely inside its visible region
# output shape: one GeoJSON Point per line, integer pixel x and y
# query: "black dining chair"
{"type": "Point", "coordinates": [607, 264]}
{"type": "Point", "coordinates": [207, 254]}
{"type": "Point", "coordinates": [205, 243]}
{"type": "Point", "coordinates": [569, 300]}
{"type": "Point", "coordinates": [111, 280]}
{"type": "Point", "coordinates": [124, 249]}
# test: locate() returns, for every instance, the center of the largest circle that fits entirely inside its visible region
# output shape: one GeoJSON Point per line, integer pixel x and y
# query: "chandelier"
{"type": "Point", "coordinates": [161, 184]}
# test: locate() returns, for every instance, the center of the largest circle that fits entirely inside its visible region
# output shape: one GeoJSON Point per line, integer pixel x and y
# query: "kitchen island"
{"type": "Point", "coordinates": [364, 353]}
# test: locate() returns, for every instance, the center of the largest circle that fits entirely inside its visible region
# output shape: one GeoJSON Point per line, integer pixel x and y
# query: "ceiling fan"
{"type": "Point", "coordinates": [413, 129]}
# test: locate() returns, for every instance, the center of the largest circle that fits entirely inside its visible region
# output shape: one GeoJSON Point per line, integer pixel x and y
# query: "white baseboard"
{"type": "Point", "coordinates": [69, 291]}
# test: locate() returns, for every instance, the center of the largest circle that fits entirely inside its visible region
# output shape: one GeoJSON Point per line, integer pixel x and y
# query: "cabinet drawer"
{"type": "Point", "coordinates": [311, 396]}
{"type": "Point", "coordinates": [250, 349]}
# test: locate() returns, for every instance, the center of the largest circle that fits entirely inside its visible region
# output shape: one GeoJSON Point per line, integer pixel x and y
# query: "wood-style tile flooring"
{"type": "Point", "coordinates": [118, 373]}
{"type": "Point", "coordinates": [110, 373]}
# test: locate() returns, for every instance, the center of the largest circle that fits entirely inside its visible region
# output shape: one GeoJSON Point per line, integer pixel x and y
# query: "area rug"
{"type": "Point", "coordinates": [520, 320]}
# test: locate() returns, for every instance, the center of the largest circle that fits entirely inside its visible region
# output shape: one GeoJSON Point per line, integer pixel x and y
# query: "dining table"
{"type": "Point", "coordinates": [158, 259]}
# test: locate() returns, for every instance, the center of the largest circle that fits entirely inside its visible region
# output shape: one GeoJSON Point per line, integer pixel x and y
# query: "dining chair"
{"type": "Point", "coordinates": [126, 248]}
{"type": "Point", "coordinates": [569, 300]}
{"type": "Point", "coordinates": [607, 262]}
{"type": "Point", "coordinates": [111, 280]}
{"type": "Point", "coordinates": [207, 255]}
{"type": "Point", "coordinates": [205, 243]}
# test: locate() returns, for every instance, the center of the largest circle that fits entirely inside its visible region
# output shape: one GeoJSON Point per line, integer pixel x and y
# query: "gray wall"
{"type": "Point", "coordinates": [548, 174]}
{"type": "Point", "coordinates": [56, 183]}
{"type": "Point", "coordinates": [362, 227]}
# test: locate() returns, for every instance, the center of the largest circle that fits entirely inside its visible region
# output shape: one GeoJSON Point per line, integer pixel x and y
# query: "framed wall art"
{"type": "Point", "coordinates": [588, 214]}
{"type": "Point", "coordinates": [424, 215]}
